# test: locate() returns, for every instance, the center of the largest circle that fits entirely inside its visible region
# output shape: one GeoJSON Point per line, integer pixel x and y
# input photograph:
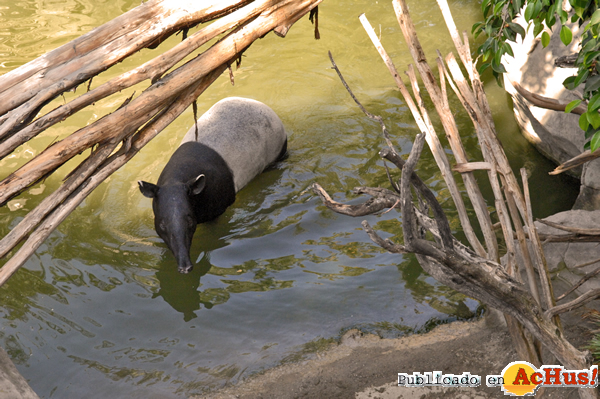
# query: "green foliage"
{"type": "Point", "coordinates": [539, 14]}
{"type": "Point", "coordinates": [594, 344]}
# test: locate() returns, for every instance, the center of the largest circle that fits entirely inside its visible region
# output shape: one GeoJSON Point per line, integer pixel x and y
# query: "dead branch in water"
{"type": "Point", "coordinates": [532, 316]}
{"type": "Point", "coordinates": [27, 89]}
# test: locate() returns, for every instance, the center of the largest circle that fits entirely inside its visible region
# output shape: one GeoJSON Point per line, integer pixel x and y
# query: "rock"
{"type": "Point", "coordinates": [12, 384]}
{"type": "Point", "coordinates": [568, 262]}
{"type": "Point", "coordinates": [554, 133]}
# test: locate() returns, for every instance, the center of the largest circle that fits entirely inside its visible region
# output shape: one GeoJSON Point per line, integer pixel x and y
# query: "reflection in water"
{"type": "Point", "coordinates": [181, 290]}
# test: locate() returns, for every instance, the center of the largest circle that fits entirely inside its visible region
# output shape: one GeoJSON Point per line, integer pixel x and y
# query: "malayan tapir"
{"type": "Point", "coordinates": [237, 139]}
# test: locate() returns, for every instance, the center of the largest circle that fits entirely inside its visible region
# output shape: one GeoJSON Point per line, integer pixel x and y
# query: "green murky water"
{"type": "Point", "coordinates": [100, 311]}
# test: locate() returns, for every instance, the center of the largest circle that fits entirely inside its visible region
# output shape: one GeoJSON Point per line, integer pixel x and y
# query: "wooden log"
{"type": "Point", "coordinates": [493, 152]}
{"type": "Point", "coordinates": [471, 167]}
{"type": "Point", "coordinates": [574, 162]}
{"type": "Point", "coordinates": [546, 102]}
{"type": "Point", "coordinates": [94, 52]}
{"type": "Point", "coordinates": [154, 109]}
{"type": "Point", "coordinates": [124, 121]}
{"type": "Point", "coordinates": [149, 70]}
{"type": "Point", "coordinates": [571, 229]}
{"type": "Point", "coordinates": [116, 161]}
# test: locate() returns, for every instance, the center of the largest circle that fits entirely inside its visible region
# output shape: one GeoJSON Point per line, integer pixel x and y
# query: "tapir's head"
{"type": "Point", "coordinates": [174, 217]}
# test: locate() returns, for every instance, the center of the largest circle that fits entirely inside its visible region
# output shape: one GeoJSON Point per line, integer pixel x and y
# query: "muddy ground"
{"type": "Point", "coordinates": [365, 366]}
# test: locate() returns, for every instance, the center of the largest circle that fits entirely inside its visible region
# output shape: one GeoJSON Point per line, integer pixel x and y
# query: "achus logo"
{"type": "Point", "coordinates": [523, 378]}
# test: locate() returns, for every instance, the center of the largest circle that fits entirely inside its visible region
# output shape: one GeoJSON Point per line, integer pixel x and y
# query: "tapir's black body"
{"type": "Point", "coordinates": [192, 159]}
{"type": "Point", "coordinates": [231, 143]}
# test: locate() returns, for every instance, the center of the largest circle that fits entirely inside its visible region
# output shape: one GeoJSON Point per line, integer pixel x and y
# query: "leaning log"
{"type": "Point", "coordinates": [171, 89]}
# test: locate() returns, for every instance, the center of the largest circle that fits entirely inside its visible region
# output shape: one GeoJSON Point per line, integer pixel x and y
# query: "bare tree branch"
{"type": "Point", "coordinates": [546, 102]}
{"type": "Point", "coordinates": [585, 278]}
{"type": "Point", "coordinates": [385, 244]}
{"type": "Point", "coordinates": [571, 229]}
{"type": "Point", "coordinates": [574, 304]}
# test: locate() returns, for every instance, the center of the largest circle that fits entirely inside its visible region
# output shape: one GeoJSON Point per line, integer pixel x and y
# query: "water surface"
{"type": "Point", "coordinates": [100, 311]}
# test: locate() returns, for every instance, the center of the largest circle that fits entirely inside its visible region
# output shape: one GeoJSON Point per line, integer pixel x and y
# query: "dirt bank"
{"type": "Point", "coordinates": [365, 366]}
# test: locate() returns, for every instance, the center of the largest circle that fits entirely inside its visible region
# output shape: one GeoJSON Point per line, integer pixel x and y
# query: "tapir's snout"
{"type": "Point", "coordinates": [184, 263]}
{"type": "Point", "coordinates": [185, 269]}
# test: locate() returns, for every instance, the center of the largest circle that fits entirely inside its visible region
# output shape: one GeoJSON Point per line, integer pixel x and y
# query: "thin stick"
{"type": "Point", "coordinates": [377, 118]}
{"type": "Point", "coordinates": [574, 304]}
{"type": "Point", "coordinates": [585, 278]}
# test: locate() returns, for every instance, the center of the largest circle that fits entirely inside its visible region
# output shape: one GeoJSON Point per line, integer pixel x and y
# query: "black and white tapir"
{"type": "Point", "coordinates": [237, 139]}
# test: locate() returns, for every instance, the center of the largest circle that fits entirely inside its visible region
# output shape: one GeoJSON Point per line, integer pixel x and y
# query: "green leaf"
{"type": "Point", "coordinates": [510, 35]}
{"type": "Point", "coordinates": [580, 78]}
{"type": "Point", "coordinates": [516, 5]}
{"type": "Point", "coordinates": [537, 28]}
{"type": "Point", "coordinates": [475, 26]}
{"type": "Point", "coordinates": [497, 67]}
{"type": "Point", "coordinates": [565, 35]}
{"type": "Point", "coordinates": [486, 45]}
{"type": "Point", "coordinates": [568, 82]}
{"type": "Point", "coordinates": [594, 118]}
{"type": "Point", "coordinates": [589, 133]}
{"type": "Point", "coordinates": [545, 39]}
{"type": "Point", "coordinates": [589, 57]}
{"type": "Point", "coordinates": [595, 17]}
{"type": "Point", "coordinates": [594, 103]}
{"type": "Point", "coordinates": [498, 57]}
{"type": "Point", "coordinates": [484, 7]}
{"type": "Point", "coordinates": [517, 28]}
{"type": "Point", "coordinates": [481, 68]}
{"type": "Point", "coordinates": [486, 55]}
{"type": "Point", "coordinates": [583, 122]}
{"type": "Point", "coordinates": [498, 7]}
{"type": "Point", "coordinates": [558, 7]}
{"type": "Point", "coordinates": [508, 49]}
{"type": "Point", "coordinates": [550, 19]}
{"type": "Point", "coordinates": [592, 84]}
{"type": "Point", "coordinates": [588, 45]}
{"type": "Point", "coordinates": [537, 8]}
{"type": "Point", "coordinates": [595, 142]}
{"type": "Point", "coordinates": [499, 79]}
{"type": "Point", "coordinates": [529, 11]}
{"type": "Point", "coordinates": [572, 105]}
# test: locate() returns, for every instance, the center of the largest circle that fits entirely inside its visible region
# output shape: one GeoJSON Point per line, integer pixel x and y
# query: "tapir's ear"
{"type": "Point", "coordinates": [148, 189]}
{"type": "Point", "coordinates": [197, 184]}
